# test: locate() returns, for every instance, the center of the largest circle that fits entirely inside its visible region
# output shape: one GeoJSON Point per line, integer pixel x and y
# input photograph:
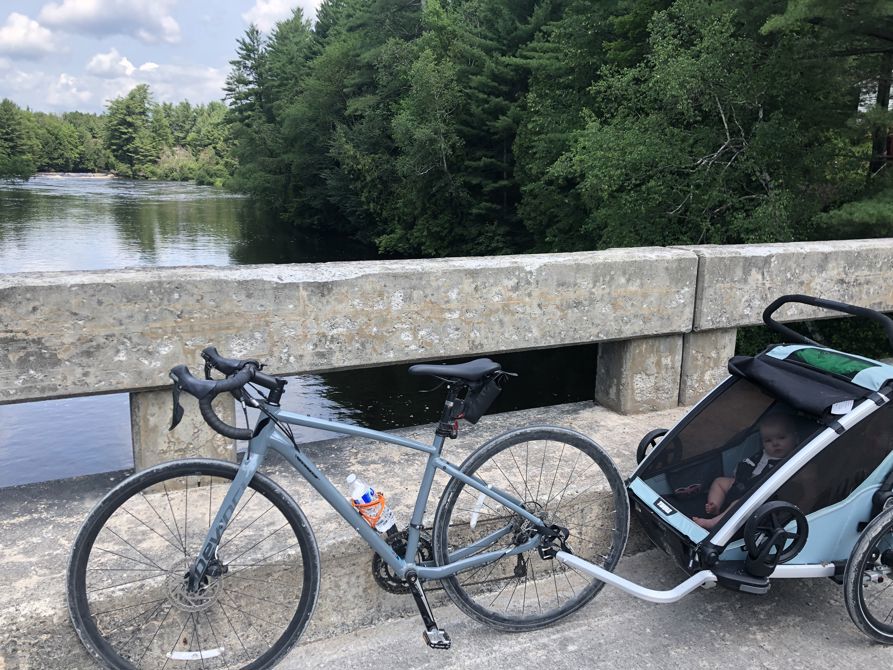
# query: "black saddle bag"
{"type": "Point", "coordinates": [479, 399]}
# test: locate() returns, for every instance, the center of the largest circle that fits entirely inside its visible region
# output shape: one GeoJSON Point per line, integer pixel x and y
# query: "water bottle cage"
{"type": "Point", "coordinates": [371, 511]}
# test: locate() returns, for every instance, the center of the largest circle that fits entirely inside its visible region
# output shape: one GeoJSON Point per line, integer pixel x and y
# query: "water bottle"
{"type": "Point", "coordinates": [371, 505]}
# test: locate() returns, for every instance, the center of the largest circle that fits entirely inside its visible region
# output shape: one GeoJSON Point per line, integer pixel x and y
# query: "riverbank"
{"type": "Point", "coordinates": [77, 175]}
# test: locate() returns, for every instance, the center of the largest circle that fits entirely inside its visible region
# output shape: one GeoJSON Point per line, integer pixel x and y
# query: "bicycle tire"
{"type": "Point", "coordinates": [516, 593]}
{"type": "Point", "coordinates": [868, 587]}
{"type": "Point", "coordinates": [132, 554]}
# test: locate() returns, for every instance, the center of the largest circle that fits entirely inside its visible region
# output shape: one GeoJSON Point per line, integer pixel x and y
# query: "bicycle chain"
{"type": "Point", "coordinates": [382, 572]}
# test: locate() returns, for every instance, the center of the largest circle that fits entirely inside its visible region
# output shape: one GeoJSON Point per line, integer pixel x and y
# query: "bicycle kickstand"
{"type": "Point", "coordinates": [435, 637]}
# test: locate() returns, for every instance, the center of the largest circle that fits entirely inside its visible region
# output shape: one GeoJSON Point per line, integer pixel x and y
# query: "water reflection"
{"type": "Point", "coordinates": [91, 223]}
{"type": "Point", "coordinates": [78, 223]}
{"type": "Point", "coordinates": [64, 438]}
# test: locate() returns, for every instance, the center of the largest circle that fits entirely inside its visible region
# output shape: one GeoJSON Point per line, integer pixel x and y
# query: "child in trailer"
{"type": "Point", "coordinates": [778, 434]}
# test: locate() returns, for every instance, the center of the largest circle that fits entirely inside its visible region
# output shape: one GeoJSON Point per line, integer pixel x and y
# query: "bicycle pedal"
{"type": "Point", "coordinates": [437, 638]}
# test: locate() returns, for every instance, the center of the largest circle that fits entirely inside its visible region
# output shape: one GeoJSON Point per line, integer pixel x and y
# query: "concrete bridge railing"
{"type": "Point", "coordinates": [665, 319]}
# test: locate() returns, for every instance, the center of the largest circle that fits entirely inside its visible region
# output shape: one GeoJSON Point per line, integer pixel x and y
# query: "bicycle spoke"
{"type": "Point", "coordinates": [560, 478]}
{"type": "Point", "coordinates": [197, 638]}
{"type": "Point", "coordinates": [152, 529]}
{"type": "Point", "coordinates": [134, 634]}
{"type": "Point", "coordinates": [233, 628]}
{"type": "Point", "coordinates": [176, 641]}
{"type": "Point", "coordinates": [170, 506]}
{"type": "Point", "coordinates": [186, 518]}
{"type": "Point", "coordinates": [158, 606]}
{"type": "Point", "coordinates": [268, 556]}
{"type": "Point", "coordinates": [139, 602]}
{"type": "Point", "coordinates": [271, 507]}
{"type": "Point", "coordinates": [151, 562]}
{"type": "Point", "coordinates": [149, 503]}
{"type": "Point", "coordinates": [130, 558]}
{"type": "Point", "coordinates": [126, 607]}
{"type": "Point", "coordinates": [140, 661]}
{"type": "Point", "coordinates": [115, 586]}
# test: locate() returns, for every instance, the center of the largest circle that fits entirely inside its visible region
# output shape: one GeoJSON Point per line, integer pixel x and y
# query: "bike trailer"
{"type": "Point", "coordinates": [799, 515]}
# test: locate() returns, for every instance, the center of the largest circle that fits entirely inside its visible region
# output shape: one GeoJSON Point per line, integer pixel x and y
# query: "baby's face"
{"type": "Point", "coordinates": [778, 439]}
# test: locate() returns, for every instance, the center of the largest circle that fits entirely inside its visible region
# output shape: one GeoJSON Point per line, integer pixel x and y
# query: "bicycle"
{"type": "Point", "coordinates": [230, 578]}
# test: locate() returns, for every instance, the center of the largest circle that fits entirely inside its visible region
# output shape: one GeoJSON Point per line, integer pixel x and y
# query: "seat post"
{"type": "Point", "coordinates": [449, 419]}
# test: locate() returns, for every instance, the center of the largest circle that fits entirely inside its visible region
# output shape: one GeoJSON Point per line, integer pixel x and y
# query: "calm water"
{"type": "Point", "coordinates": [87, 223]}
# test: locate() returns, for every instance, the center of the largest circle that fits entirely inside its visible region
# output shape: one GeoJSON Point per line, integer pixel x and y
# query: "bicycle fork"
{"type": "Point", "coordinates": [206, 563]}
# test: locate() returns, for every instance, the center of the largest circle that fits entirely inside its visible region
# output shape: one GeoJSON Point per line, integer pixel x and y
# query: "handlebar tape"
{"type": "Point", "coordinates": [226, 365]}
{"type": "Point", "coordinates": [205, 391]}
{"type": "Point", "coordinates": [218, 425]}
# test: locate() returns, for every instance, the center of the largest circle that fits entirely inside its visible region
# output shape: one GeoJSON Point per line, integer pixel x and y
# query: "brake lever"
{"type": "Point", "coordinates": [177, 409]}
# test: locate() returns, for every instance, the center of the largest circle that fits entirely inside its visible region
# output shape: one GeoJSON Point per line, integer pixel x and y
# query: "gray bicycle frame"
{"type": "Point", "coordinates": [268, 436]}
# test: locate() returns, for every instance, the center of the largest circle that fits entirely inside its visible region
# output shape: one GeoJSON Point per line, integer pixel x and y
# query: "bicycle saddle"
{"type": "Point", "coordinates": [471, 371]}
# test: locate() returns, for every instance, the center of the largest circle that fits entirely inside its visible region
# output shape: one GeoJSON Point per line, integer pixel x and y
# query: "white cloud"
{"type": "Point", "coordinates": [24, 37]}
{"type": "Point", "coordinates": [173, 83]}
{"type": "Point", "coordinates": [66, 93]}
{"type": "Point", "coordinates": [110, 65]}
{"type": "Point", "coordinates": [14, 81]}
{"type": "Point", "coordinates": [147, 20]}
{"type": "Point", "coordinates": [42, 91]}
{"type": "Point", "coordinates": [266, 13]}
{"type": "Point", "coordinates": [168, 83]}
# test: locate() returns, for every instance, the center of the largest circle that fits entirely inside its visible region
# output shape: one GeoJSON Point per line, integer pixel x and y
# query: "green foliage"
{"type": "Point", "coordinates": [495, 126]}
{"type": "Point", "coordinates": [871, 216]}
{"type": "Point", "coordinates": [128, 132]}
{"type": "Point", "coordinates": [694, 143]}
{"type": "Point", "coordinates": [855, 335]}
{"type": "Point", "coordinates": [16, 146]}
{"type": "Point", "coordinates": [859, 30]}
{"type": "Point", "coordinates": [461, 127]}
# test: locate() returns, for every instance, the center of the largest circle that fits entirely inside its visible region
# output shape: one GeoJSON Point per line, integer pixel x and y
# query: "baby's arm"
{"type": "Point", "coordinates": [716, 496]}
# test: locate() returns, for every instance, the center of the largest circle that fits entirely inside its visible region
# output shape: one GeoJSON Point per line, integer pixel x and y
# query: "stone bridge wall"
{"type": "Point", "coordinates": [666, 318]}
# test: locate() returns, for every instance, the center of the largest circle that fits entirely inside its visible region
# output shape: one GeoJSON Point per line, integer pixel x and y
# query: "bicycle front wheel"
{"type": "Point", "coordinates": [565, 479]}
{"type": "Point", "coordinates": [127, 592]}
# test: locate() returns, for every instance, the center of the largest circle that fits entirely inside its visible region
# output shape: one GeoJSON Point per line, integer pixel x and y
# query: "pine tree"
{"type": "Point", "coordinates": [128, 134]}
{"type": "Point", "coordinates": [16, 159]}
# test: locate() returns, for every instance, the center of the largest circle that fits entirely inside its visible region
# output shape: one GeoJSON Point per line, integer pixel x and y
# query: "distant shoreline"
{"type": "Point", "coordinates": [85, 175]}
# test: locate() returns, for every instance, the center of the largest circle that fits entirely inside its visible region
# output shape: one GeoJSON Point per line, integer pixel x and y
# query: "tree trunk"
{"type": "Point", "coordinates": [879, 155]}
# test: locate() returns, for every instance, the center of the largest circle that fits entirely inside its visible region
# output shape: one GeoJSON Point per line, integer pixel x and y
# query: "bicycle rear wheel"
{"type": "Point", "coordinates": [869, 577]}
{"type": "Point", "coordinates": [127, 591]}
{"type": "Point", "coordinates": [564, 478]}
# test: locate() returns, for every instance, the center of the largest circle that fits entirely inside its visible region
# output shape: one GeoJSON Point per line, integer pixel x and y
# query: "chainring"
{"type": "Point", "coordinates": [382, 572]}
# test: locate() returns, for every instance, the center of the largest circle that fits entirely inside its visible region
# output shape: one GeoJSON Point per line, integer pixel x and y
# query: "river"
{"type": "Point", "coordinates": [68, 222]}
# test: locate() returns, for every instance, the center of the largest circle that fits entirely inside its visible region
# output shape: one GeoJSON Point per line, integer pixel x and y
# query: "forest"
{"type": "Point", "coordinates": [135, 137]}
{"type": "Point", "coordinates": [471, 127]}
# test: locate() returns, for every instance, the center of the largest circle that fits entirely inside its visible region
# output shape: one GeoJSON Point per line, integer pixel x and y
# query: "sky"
{"type": "Point", "coordinates": [66, 55]}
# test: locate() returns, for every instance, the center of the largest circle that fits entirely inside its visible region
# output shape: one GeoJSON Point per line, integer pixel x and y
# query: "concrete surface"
{"type": "Point", "coordinates": [640, 375]}
{"type": "Point", "coordinates": [798, 625]}
{"type": "Point", "coordinates": [737, 282]}
{"type": "Point", "coordinates": [65, 334]}
{"type": "Point", "coordinates": [150, 420]}
{"type": "Point", "coordinates": [78, 333]}
{"type": "Point", "coordinates": [705, 356]}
